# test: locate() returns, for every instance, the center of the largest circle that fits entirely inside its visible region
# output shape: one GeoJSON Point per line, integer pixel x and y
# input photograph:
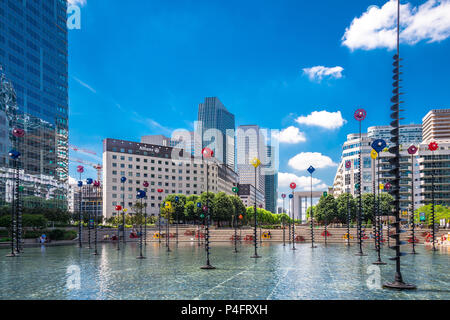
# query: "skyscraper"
{"type": "Point", "coordinates": [271, 180]}
{"type": "Point", "coordinates": [33, 54]}
{"type": "Point", "coordinates": [217, 128]}
{"type": "Point", "coordinates": [251, 144]}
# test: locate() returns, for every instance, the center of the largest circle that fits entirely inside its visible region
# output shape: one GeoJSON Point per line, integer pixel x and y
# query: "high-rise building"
{"type": "Point", "coordinates": [436, 125]}
{"type": "Point", "coordinates": [181, 140]}
{"type": "Point", "coordinates": [409, 134]}
{"type": "Point", "coordinates": [34, 57]}
{"type": "Point", "coordinates": [162, 168]}
{"type": "Point", "coordinates": [250, 145]}
{"type": "Point", "coordinates": [436, 128]}
{"type": "Point", "coordinates": [347, 175]}
{"type": "Point", "coordinates": [271, 180]}
{"type": "Point", "coordinates": [216, 127]}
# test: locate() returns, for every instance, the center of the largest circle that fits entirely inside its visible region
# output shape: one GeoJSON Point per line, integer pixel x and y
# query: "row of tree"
{"type": "Point", "coordinates": [223, 209]}
{"type": "Point", "coordinates": [336, 210]}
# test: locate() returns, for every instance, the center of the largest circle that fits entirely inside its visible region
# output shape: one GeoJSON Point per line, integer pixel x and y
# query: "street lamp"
{"type": "Point", "coordinates": [293, 186]}
{"type": "Point", "coordinates": [235, 219]}
{"type": "Point", "coordinates": [412, 150]}
{"type": "Point", "coordinates": [378, 146]}
{"type": "Point", "coordinates": [359, 116]}
{"type": "Point", "coordinates": [255, 163]}
{"type": "Point", "coordinates": [123, 180]}
{"type": "Point", "coordinates": [141, 195]}
{"type": "Point", "coordinates": [433, 147]}
{"type": "Point", "coordinates": [283, 196]}
{"type": "Point", "coordinates": [89, 182]}
{"type": "Point", "coordinates": [311, 170]}
{"type": "Point", "coordinates": [208, 154]}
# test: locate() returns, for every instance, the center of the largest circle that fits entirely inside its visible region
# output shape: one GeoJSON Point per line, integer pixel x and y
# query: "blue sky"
{"type": "Point", "coordinates": [142, 67]}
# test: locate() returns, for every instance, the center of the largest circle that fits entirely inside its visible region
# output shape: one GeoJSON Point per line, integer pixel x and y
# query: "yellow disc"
{"type": "Point", "coordinates": [381, 186]}
{"type": "Point", "coordinates": [256, 162]}
{"type": "Point", "coordinates": [373, 154]}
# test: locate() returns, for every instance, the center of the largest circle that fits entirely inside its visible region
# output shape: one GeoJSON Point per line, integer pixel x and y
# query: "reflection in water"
{"type": "Point", "coordinates": [332, 272]}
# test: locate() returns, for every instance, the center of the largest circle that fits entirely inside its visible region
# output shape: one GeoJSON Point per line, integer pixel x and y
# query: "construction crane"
{"type": "Point", "coordinates": [97, 166]}
{"type": "Point", "coordinates": [76, 149]}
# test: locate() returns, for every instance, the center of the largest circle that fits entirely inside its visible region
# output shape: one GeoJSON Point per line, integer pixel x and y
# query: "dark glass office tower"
{"type": "Point", "coordinates": [33, 56]}
{"type": "Point", "coordinates": [212, 114]}
{"type": "Point", "coordinates": [271, 180]}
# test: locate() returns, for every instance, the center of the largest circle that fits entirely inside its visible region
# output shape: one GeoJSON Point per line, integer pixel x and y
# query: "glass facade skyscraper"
{"type": "Point", "coordinates": [271, 181]}
{"type": "Point", "coordinates": [34, 58]}
{"type": "Point", "coordinates": [212, 114]}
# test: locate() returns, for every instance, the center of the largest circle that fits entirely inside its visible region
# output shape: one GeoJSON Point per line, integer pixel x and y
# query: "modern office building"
{"type": "Point", "coordinates": [181, 140]}
{"type": "Point", "coordinates": [436, 128]}
{"type": "Point", "coordinates": [436, 125]}
{"type": "Point", "coordinates": [409, 134]}
{"type": "Point", "coordinates": [271, 180]}
{"type": "Point", "coordinates": [216, 127]}
{"type": "Point", "coordinates": [247, 195]}
{"type": "Point", "coordinates": [347, 175]}
{"type": "Point", "coordinates": [169, 169]}
{"type": "Point", "coordinates": [250, 144]}
{"type": "Point", "coordinates": [91, 200]}
{"type": "Point", "coordinates": [33, 56]}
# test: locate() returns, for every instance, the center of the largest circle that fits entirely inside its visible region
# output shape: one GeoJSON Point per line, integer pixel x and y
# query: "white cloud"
{"type": "Point", "coordinates": [304, 160]}
{"type": "Point", "coordinates": [318, 73]}
{"type": "Point", "coordinates": [303, 182]}
{"type": "Point", "coordinates": [290, 135]}
{"type": "Point", "coordinates": [324, 119]}
{"type": "Point", "coordinates": [77, 2]}
{"type": "Point", "coordinates": [72, 180]}
{"type": "Point", "coordinates": [377, 27]}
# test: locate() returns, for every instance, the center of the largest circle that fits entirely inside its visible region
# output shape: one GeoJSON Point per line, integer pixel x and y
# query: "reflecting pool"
{"type": "Point", "coordinates": [326, 272]}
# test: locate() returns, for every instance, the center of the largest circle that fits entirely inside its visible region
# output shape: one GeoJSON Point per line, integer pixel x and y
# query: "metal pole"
{"type": "Point", "coordinates": [140, 236]}
{"type": "Point", "coordinates": [255, 256]}
{"type": "Point", "coordinates": [95, 224]}
{"type": "Point", "coordinates": [312, 215]}
{"type": "Point", "coordinates": [293, 220]}
{"type": "Point", "coordinates": [159, 223]}
{"type": "Point", "coordinates": [80, 216]}
{"type": "Point", "coordinates": [284, 231]}
{"type": "Point", "coordinates": [208, 265]}
{"type": "Point", "coordinates": [412, 208]}
{"type": "Point", "coordinates": [145, 219]}
{"type": "Point", "coordinates": [13, 218]}
{"type": "Point", "coordinates": [17, 205]}
{"type": "Point", "coordinates": [377, 218]}
{"type": "Point", "coordinates": [168, 231]}
{"type": "Point", "coordinates": [348, 219]}
{"type": "Point", "coordinates": [123, 213]}
{"type": "Point", "coordinates": [89, 215]}
{"type": "Point", "coordinates": [432, 203]}
{"type": "Point", "coordinates": [360, 253]}
{"type": "Point", "coordinates": [235, 220]}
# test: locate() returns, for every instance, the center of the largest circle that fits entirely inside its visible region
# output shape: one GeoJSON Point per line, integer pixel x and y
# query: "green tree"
{"type": "Point", "coordinates": [326, 210]}
{"type": "Point", "coordinates": [223, 208]}
{"type": "Point", "coordinates": [345, 203]}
